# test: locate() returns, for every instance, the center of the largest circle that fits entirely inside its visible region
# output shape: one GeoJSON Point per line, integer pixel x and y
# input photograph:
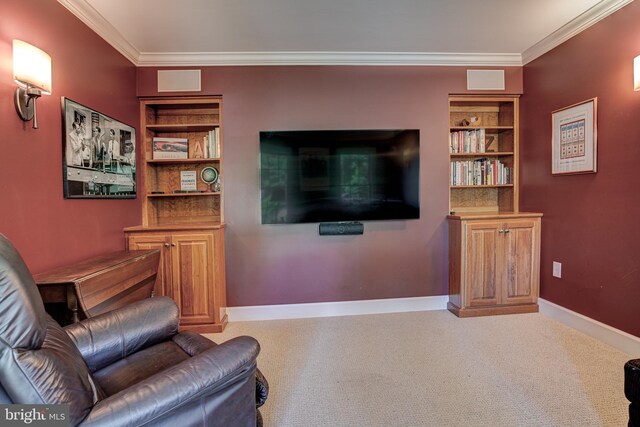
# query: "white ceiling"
{"type": "Point", "coordinates": [422, 32]}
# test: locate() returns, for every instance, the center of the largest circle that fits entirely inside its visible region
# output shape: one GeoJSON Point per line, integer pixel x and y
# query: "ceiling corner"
{"type": "Point", "coordinates": [573, 28]}
{"type": "Point", "coordinates": [87, 14]}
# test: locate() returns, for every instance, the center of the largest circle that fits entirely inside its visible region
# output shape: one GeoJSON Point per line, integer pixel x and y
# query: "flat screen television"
{"type": "Point", "coordinates": [339, 175]}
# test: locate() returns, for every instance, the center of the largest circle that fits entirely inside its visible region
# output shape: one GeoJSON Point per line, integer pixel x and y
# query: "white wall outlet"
{"type": "Point", "coordinates": [557, 269]}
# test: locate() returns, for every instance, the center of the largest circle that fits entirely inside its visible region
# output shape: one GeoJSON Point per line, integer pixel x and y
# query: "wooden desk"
{"type": "Point", "coordinates": [101, 284]}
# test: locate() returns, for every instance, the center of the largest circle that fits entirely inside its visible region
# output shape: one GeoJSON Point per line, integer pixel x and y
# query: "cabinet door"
{"type": "Point", "coordinates": [161, 242]}
{"type": "Point", "coordinates": [521, 261]}
{"type": "Point", "coordinates": [483, 263]}
{"type": "Point", "coordinates": [192, 261]}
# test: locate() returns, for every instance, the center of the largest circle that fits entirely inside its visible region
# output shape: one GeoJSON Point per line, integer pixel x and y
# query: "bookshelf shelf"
{"type": "Point", "coordinates": [485, 154]}
{"type": "Point", "coordinates": [181, 161]}
{"type": "Point", "coordinates": [179, 127]}
{"type": "Point", "coordinates": [199, 194]}
{"type": "Point", "coordinates": [488, 129]}
{"type": "Point", "coordinates": [480, 186]}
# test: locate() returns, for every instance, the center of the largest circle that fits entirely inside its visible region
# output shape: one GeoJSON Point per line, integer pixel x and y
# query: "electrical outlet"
{"type": "Point", "coordinates": [557, 269]}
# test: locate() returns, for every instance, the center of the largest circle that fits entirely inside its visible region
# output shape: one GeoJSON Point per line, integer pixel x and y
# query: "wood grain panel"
{"type": "Point", "coordinates": [455, 263]}
{"type": "Point", "coordinates": [521, 262]}
{"type": "Point", "coordinates": [482, 264]}
{"type": "Point", "coordinates": [160, 242]}
{"type": "Point", "coordinates": [194, 276]}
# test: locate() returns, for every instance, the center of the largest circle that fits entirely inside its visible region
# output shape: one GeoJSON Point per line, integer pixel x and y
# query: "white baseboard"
{"type": "Point", "coordinates": [614, 337]}
{"type": "Point", "coordinates": [339, 308]}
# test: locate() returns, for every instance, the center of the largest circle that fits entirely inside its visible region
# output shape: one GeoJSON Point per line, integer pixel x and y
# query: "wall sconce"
{"type": "Point", "coordinates": [32, 72]}
{"type": "Point", "coordinates": [636, 73]}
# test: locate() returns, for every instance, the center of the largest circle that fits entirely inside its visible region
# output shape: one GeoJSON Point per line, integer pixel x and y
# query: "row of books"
{"type": "Point", "coordinates": [467, 141]}
{"type": "Point", "coordinates": [480, 172]}
{"type": "Point", "coordinates": [178, 148]}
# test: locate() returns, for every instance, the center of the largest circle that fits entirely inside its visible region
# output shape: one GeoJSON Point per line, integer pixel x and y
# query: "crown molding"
{"type": "Point", "coordinates": [147, 59]}
{"type": "Point", "coordinates": [87, 14]}
{"type": "Point", "coordinates": [572, 28]}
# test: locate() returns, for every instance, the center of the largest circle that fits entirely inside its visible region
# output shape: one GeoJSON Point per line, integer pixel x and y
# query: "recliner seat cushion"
{"type": "Point", "coordinates": [139, 366]}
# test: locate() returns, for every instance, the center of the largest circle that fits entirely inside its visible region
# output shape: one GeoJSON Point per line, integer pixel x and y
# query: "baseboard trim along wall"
{"type": "Point", "coordinates": [614, 337]}
{"type": "Point", "coordinates": [339, 308]}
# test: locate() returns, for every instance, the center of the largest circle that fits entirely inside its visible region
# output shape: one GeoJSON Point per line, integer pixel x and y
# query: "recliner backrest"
{"type": "Point", "coordinates": [39, 364]}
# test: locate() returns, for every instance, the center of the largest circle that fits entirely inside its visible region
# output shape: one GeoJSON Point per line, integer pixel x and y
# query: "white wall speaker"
{"type": "Point", "coordinates": [179, 81]}
{"type": "Point", "coordinates": [485, 79]}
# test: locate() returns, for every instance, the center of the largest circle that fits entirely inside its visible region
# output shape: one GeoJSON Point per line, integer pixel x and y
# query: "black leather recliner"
{"type": "Point", "coordinates": [632, 390]}
{"type": "Point", "coordinates": [128, 367]}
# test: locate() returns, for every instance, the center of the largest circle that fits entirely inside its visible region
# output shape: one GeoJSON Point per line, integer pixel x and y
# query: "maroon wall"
{"type": "Point", "coordinates": [274, 264]}
{"type": "Point", "coordinates": [47, 229]}
{"type": "Point", "coordinates": [590, 221]}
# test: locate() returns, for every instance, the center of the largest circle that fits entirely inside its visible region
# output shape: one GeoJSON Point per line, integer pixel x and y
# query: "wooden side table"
{"type": "Point", "coordinates": [102, 283]}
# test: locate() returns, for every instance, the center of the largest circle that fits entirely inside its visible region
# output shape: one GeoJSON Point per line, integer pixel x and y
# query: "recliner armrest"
{"type": "Point", "coordinates": [164, 394]}
{"type": "Point", "coordinates": [112, 336]}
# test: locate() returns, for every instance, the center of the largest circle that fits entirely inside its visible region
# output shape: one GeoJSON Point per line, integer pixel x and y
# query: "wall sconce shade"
{"type": "Point", "coordinates": [636, 73]}
{"type": "Point", "coordinates": [32, 73]}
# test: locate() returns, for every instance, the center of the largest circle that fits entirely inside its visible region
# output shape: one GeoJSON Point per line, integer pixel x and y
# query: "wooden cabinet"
{"type": "Point", "coordinates": [494, 250]}
{"type": "Point", "coordinates": [494, 263]}
{"type": "Point", "coordinates": [187, 226]}
{"type": "Point", "coordinates": [191, 273]}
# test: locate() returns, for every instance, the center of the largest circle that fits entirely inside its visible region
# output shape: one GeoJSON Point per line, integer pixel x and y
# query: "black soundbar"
{"type": "Point", "coordinates": [340, 228]}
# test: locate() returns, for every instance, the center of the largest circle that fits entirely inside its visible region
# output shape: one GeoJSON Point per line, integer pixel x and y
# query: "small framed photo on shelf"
{"type": "Point", "coordinates": [188, 181]}
{"type": "Point", "coordinates": [574, 139]}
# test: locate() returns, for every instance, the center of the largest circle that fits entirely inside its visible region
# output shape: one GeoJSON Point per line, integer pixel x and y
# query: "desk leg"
{"type": "Point", "coordinates": [72, 303]}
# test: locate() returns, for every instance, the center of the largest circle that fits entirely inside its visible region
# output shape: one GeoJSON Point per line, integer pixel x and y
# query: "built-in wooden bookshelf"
{"type": "Point", "coordinates": [193, 119]}
{"type": "Point", "coordinates": [187, 227]}
{"type": "Point", "coordinates": [494, 249]}
{"type": "Point", "coordinates": [483, 170]}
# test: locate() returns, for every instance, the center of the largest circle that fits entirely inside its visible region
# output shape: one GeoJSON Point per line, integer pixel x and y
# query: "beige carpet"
{"type": "Point", "coordinates": [434, 369]}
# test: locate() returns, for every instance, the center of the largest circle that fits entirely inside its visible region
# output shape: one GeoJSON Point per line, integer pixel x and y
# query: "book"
{"type": "Point", "coordinates": [170, 148]}
{"type": "Point", "coordinates": [188, 181]}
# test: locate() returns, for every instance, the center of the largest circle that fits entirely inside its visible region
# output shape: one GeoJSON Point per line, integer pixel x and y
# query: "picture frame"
{"type": "Point", "coordinates": [574, 139]}
{"type": "Point", "coordinates": [98, 154]}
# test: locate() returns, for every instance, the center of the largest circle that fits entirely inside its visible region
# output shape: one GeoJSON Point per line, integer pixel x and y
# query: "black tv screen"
{"type": "Point", "coordinates": [339, 175]}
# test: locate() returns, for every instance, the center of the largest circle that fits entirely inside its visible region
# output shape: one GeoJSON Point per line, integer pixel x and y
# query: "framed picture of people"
{"type": "Point", "coordinates": [98, 154]}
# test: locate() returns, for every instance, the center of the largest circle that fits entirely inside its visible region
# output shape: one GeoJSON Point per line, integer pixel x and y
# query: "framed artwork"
{"type": "Point", "coordinates": [98, 154]}
{"type": "Point", "coordinates": [574, 139]}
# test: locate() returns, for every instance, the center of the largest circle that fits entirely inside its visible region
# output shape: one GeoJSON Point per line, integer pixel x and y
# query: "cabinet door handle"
{"type": "Point", "coordinates": [166, 245]}
{"type": "Point", "coordinates": [501, 231]}
{"type": "Point", "coordinates": [173, 244]}
{"type": "Point", "coordinates": [506, 231]}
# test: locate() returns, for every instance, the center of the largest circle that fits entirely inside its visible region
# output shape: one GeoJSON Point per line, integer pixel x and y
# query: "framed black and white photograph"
{"type": "Point", "coordinates": [574, 141]}
{"type": "Point", "coordinates": [99, 154]}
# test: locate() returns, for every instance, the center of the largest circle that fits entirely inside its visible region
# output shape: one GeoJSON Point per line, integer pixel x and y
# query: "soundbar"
{"type": "Point", "coordinates": [340, 228]}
